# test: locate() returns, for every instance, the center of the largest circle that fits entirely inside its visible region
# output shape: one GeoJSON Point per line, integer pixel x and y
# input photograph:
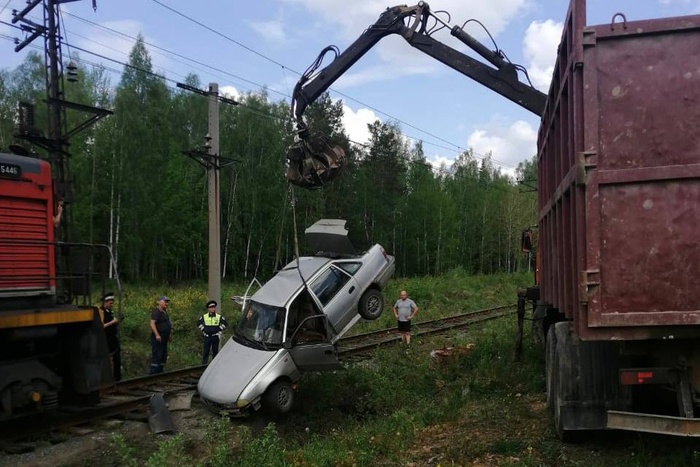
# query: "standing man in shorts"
{"type": "Point", "coordinates": [404, 310]}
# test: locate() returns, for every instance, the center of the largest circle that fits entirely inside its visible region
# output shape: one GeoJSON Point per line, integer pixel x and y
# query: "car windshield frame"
{"type": "Point", "coordinates": [261, 326]}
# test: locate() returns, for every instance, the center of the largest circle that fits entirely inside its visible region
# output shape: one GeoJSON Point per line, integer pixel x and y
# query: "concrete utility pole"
{"type": "Point", "coordinates": [213, 171]}
{"type": "Point", "coordinates": [213, 162]}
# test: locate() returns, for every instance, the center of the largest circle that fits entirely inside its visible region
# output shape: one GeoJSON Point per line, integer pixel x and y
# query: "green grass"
{"type": "Point", "coordinates": [446, 295]}
{"type": "Point", "coordinates": [482, 408]}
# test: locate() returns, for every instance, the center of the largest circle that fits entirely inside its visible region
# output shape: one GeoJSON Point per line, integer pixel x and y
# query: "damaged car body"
{"type": "Point", "coordinates": [293, 322]}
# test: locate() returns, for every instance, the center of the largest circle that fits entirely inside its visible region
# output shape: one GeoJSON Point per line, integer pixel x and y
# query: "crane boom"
{"type": "Point", "coordinates": [312, 161]}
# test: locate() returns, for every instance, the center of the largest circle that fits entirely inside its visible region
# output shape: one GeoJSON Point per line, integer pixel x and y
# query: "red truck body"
{"type": "Point", "coordinates": [619, 179]}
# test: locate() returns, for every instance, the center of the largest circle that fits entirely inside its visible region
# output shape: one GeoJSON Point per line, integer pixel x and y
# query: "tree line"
{"type": "Point", "coordinates": [135, 190]}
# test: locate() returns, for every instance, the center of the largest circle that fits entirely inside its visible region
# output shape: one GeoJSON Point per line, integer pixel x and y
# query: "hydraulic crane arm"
{"type": "Point", "coordinates": [313, 162]}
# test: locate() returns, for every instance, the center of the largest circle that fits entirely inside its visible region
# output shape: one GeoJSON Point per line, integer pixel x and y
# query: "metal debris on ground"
{"type": "Point", "coordinates": [442, 358]}
{"type": "Point", "coordinates": [159, 418]}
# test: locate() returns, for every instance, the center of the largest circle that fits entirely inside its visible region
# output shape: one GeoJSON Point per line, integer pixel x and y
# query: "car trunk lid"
{"type": "Point", "coordinates": [330, 236]}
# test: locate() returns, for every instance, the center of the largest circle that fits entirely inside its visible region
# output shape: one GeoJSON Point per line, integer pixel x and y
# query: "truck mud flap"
{"type": "Point", "coordinates": [586, 382]}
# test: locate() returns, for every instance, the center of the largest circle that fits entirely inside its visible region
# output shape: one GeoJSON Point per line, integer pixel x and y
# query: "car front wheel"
{"type": "Point", "coordinates": [371, 304]}
{"type": "Point", "coordinates": [279, 397]}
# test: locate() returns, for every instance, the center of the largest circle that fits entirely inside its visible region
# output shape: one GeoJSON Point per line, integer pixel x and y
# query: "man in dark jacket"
{"type": "Point", "coordinates": [161, 334]}
{"type": "Point", "coordinates": [111, 327]}
{"type": "Point", "coordinates": [212, 325]}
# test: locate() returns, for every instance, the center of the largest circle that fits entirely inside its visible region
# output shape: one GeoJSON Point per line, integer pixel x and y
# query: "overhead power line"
{"type": "Point", "coordinates": [173, 53]}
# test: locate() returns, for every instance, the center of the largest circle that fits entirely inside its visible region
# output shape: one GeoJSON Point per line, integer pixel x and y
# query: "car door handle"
{"type": "Point", "coordinates": [352, 289]}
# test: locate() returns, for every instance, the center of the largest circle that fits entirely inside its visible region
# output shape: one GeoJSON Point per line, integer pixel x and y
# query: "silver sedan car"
{"type": "Point", "coordinates": [293, 322]}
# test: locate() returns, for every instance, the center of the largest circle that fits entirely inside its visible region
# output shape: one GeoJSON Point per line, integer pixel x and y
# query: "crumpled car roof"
{"type": "Point", "coordinates": [278, 290]}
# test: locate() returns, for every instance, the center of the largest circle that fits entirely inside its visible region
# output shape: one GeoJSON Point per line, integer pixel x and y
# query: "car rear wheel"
{"type": "Point", "coordinates": [279, 397]}
{"type": "Point", "coordinates": [371, 304]}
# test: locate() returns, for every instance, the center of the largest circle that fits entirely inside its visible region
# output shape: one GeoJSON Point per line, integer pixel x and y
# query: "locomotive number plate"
{"type": "Point", "coordinates": [10, 170]}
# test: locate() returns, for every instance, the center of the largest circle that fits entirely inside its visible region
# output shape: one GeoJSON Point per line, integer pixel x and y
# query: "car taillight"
{"type": "Point", "coordinates": [386, 257]}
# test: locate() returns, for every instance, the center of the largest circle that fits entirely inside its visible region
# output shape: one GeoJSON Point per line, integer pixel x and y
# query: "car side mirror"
{"type": "Point", "coordinates": [287, 344]}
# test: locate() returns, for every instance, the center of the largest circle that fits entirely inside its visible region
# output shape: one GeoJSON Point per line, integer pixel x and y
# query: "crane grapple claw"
{"type": "Point", "coordinates": [311, 163]}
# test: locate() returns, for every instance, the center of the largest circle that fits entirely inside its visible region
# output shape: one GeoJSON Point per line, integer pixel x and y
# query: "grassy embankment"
{"type": "Point", "coordinates": [440, 296]}
{"type": "Point", "coordinates": [484, 409]}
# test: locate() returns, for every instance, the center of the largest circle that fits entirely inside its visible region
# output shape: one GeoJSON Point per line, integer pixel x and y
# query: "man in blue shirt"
{"type": "Point", "coordinates": [404, 311]}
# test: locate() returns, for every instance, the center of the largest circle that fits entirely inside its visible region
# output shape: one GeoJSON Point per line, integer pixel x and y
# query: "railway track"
{"type": "Point", "coordinates": [135, 394]}
{"type": "Point", "coordinates": [124, 397]}
{"type": "Point", "coordinates": [367, 342]}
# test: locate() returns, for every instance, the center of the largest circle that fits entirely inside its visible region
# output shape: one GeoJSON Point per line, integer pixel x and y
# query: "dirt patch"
{"type": "Point", "coordinates": [95, 445]}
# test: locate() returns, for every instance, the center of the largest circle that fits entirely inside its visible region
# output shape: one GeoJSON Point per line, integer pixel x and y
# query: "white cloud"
{"type": "Point", "coordinates": [540, 51]}
{"type": "Point", "coordinates": [272, 31]}
{"type": "Point", "coordinates": [494, 14]}
{"type": "Point", "coordinates": [230, 92]}
{"type": "Point", "coordinates": [508, 144]}
{"type": "Point", "coordinates": [356, 123]}
{"type": "Point", "coordinates": [440, 162]}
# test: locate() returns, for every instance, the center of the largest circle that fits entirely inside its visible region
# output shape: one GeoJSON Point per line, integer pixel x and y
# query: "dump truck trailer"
{"type": "Point", "coordinates": [618, 162]}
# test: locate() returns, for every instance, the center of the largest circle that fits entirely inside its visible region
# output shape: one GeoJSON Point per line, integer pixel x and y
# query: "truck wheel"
{"type": "Point", "coordinates": [371, 304]}
{"type": "Point", "coordinates": [279, 397]}
{"type": "Point", "coordinates": [551, 367]}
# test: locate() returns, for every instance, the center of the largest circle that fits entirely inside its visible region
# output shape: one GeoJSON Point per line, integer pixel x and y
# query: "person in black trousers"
{"type": "Point", "coordinates": [111, 327]}
{"type": "Point", "coordinates": [161, 334]}
{"type": "Point", "coordinates": [212, 325]}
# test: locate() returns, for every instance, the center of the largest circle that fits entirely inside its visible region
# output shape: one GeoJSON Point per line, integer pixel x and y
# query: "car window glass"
{"type": "Point", "coordinates": [328, 284]}
{"type": "Point", "coordinates": [350, 268]}
{"type": "Point", "coordinates": [262, 323]}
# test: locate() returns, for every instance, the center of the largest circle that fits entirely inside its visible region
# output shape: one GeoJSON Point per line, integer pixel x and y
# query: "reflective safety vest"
{"type": "Point", "coordinates": [211, 320]}
{"type": "Point", "coordinates": [211, 325]}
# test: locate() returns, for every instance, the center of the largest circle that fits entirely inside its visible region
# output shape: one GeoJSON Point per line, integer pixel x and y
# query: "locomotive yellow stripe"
{"type": "Point", "coordinates": [44, 318]}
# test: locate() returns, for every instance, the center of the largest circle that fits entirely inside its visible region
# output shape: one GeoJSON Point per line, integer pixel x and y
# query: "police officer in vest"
{"type": "Point", "coordinates": [111, 327]}
{"type": "Point", "coordinates": [212, 325]}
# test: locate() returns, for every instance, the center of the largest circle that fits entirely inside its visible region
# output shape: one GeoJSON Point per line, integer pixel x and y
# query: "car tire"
{"type": "Point", "coordinates": [371, 304]}
{"type": "Point", "coordinates": [279, 397]}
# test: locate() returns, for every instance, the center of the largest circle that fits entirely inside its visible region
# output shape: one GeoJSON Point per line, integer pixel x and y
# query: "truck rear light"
{"type": "Point", "coordinates": [634, 376]}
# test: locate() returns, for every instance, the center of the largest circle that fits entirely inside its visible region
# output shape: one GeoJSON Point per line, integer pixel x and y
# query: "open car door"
{"type": "Point", "coordinates": [310, 345]}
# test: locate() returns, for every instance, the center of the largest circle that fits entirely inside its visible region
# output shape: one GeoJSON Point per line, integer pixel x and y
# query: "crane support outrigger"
{"type": "Point", "coordinates": [312, 161]}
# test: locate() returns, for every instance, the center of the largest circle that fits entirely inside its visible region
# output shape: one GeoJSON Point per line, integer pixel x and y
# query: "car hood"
{"type": "Point", "coordinates": [231, 371]}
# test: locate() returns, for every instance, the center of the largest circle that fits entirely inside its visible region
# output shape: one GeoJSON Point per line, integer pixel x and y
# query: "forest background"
{"type": "Point", "coordinates": [135, 190]}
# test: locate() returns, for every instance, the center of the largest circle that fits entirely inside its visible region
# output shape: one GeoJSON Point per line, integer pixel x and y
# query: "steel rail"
{"type": "Point", "coordinates": [436, 326]}
{"type": "Point", "coordinates": [430, 322]}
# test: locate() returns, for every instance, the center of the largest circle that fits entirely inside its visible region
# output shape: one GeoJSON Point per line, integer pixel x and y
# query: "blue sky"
{"type": "Point", "coordinates": [270, 40]}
